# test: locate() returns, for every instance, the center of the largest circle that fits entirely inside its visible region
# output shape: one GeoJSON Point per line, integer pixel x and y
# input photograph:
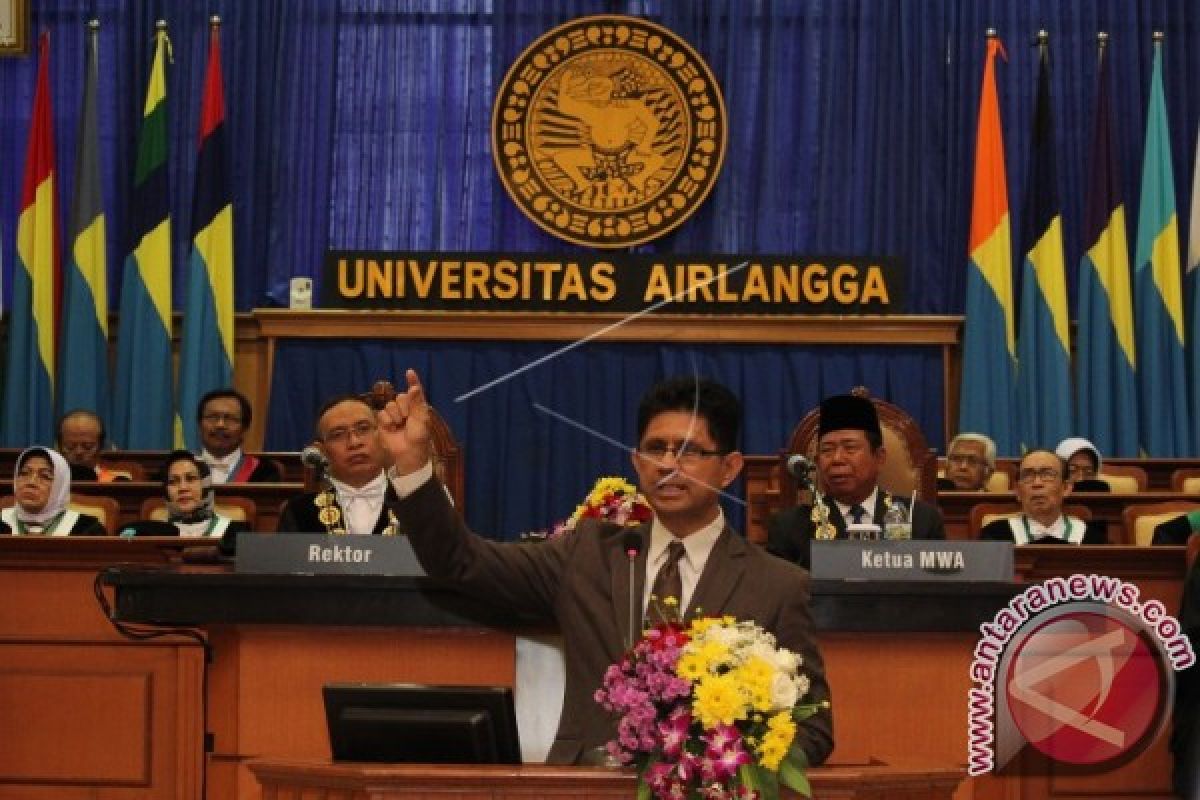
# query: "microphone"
{"type": "Point", "coordinates": [632, 544]}
{"type": "Point", "coordinates": [799, 466]}
{"type": "Point", "coordinates": [312, 456]}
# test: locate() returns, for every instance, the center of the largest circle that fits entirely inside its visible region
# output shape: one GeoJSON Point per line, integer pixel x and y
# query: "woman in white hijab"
{"type": "Point", "coordinates": [42, 489]}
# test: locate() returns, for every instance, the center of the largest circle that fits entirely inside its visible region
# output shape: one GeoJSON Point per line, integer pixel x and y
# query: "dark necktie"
{"type": "Point", "coordinates": [856, 514]}
{"type": "Point", "coordinates": [668, 583]}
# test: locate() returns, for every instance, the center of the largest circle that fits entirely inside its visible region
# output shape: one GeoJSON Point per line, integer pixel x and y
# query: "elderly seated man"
{"type": "Point", "coordinates": [1042, 485]}
{"type": "Point", "coordinates": [81, 437]}
{"type": "Point", "coordinates": [970, 462]}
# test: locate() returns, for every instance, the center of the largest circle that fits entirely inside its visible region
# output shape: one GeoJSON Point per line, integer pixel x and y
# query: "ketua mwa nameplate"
{"type": "Point", "coordinates": [913, 560]}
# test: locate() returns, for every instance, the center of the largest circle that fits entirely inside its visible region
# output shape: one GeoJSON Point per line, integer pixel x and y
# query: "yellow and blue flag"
{"type": "Point", "coordinates": [1192, 287]}
{"type": "Point", "coordinates": [36, 290]}
{"type": "Point", "coordinates": [143, 408]}
{"type": "Point", "coordinates": [207, 358]}
{"type": "Point", "coordinates": [1044, 400]}
{"type": "Point", "coordinates": [1158, 296]}
{"type": "Point", "coordinates": [83, 360]}
{"type": "Point", "coordinates": [987, 401]}
{"type": "Point", "coordinates": [1107, 359]}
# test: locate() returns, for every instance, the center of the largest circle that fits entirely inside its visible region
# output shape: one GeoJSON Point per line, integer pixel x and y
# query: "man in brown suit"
{"type": "Point", "coordinates": [686, 453]}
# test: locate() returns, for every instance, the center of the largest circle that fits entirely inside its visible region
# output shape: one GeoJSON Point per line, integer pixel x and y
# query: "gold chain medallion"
{"type": "Point", "coordinates": [609, 131]}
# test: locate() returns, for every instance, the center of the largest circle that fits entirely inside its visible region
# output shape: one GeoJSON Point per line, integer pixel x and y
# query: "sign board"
{"type": "Point", "coordinates": [325, 554]}
{"type": "Point", "coordinates": [912, 560]}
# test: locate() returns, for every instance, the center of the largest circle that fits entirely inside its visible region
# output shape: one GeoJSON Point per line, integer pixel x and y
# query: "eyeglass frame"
{"type": "Point", "coordinates": [683, 453]}
{"type": "Point", "coordinates": [1031, 474]}
{"type": "Point", "coordinates": [339, 436]}
{"type": "Point", "coordinates": [217, 417]}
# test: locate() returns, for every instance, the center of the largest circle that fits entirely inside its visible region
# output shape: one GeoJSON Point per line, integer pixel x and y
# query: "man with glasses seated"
{"type": "Point", "coordinates": [223, 416]}
{"type": "Point", "coordinates": [358, 493]}
{"type": "Point", "coordinates": [1042, 484]}
{"type": "Point", "coordinates": [850, 456]}
{"type": "Point", "coordinates": [970, 462]}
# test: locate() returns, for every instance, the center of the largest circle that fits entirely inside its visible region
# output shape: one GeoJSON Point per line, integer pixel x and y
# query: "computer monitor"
{"type": "Point", "coordinates": [415, 723]}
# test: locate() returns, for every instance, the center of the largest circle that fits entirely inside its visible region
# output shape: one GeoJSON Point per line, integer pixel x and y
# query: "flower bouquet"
{"type": "Point", "coordinates": [612, 499]}
{"type": "Point", "coordinates": [709, 710]}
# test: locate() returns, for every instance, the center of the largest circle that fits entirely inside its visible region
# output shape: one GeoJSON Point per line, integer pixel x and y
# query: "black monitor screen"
{"type": "Point", "coordinates": [404, 722]}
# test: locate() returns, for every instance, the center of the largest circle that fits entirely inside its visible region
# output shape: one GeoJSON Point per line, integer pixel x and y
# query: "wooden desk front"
{"type": "Point", "coordinates": [283, 780]}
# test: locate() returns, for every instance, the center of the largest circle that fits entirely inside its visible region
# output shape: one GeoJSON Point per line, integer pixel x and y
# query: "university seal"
{"type": "Point", "coordinates": [609, 131]}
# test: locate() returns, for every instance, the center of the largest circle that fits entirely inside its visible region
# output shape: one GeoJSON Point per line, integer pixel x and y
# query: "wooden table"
{"type": "Point", "coordinates": [283, 780]}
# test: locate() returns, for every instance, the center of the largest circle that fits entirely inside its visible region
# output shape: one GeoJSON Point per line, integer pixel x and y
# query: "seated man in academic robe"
{"type": "Point", "coordinates": [356, 499]}
{"type": "Point", "coordinates": [223, 416]}
{"type": "Point", "coordinates": [1042, 484]}
{"type": "Point", "coordinates": [850, 456]}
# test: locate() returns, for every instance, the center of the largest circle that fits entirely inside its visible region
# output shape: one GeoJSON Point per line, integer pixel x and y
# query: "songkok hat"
{"type": "Point", "coordinates": [848, 412]}
{"type": "Point", "coordinates": [1069, 447]}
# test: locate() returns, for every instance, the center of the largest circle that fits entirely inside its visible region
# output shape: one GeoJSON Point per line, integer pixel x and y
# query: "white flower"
{"type": "Point", "coordinates": [784, 691]}
{"type": "Point", "coordinates": [802, 685]}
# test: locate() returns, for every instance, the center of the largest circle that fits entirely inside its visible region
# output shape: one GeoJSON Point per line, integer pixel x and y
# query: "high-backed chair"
{"type": "Point", "coordinates": [984, 513]}
{"type": "Point", "coordinates": [1124, 478]}
{"type": "Point", "coordinates": [910, 463]}
{"type": "Point", "coordinates": [105, 509]}
{"type": "Point", "coordinates": [242, 509]}
{"type": "Point", "coordinates": [447, 458]}
{"type": "Point", "coordinates": [1186, 481]}
{"type": "Point", "coordinates": [125, 468]}
{"type": "Point", "coordinates": [1142, 518]}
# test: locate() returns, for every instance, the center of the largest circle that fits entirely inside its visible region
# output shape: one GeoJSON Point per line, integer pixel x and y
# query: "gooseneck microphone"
{"type": "Point", "coordinates": [632, 544]}
{"type": "Point", "coordinates": [799, 466]}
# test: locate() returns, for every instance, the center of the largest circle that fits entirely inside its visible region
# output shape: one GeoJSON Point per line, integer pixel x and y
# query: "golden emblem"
{"type": "Point", "coordinates": [329, 516]}
{"type": "Point", "coordinates": [609, 131]}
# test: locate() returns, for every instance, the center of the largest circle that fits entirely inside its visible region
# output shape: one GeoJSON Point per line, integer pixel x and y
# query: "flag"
{"type": "Point", "coordinates": [1193, 294]}
{"type": "Point", "coordinates": [83, 359]}
{"type": "Point", "coordinates": [1107, 359]}
{"type": "Point", "coordinates": [987, 399]}
{"type": "Point", "coordinates": [1163, 390]}
{"type": "Point", "coordinates": [144, 396]}
{"type": "Point", "coordinates": [1044, 399]}
{"type": "Point", "coordinates": [36, 292]}
{"type": "Point", "coordinates": [207, 358]}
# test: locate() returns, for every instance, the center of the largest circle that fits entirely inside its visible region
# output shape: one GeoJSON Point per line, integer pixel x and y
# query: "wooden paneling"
{"type": "Point", "coordinates": [86, 714]}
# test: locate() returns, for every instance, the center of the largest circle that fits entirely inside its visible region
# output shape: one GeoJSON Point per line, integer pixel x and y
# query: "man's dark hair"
{"type": "Point", "coordinates": [711, 401]}
{"type": "Point", "coordinates": [1062, 462]}
{"type": "Point", "coordinates": [85, 414]}
{"type": "Point", "coordinates": [337, 401]}
{"type": "Point", "coordinates": [229, 391]}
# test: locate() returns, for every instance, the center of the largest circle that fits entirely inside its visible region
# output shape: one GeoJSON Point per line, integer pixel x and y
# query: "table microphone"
{"type": "Point", "coordinates": [632, 544]}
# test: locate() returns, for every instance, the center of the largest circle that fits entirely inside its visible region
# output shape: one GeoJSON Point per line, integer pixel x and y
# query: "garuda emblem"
{"type": "Point", "coordinates": [609, 131]}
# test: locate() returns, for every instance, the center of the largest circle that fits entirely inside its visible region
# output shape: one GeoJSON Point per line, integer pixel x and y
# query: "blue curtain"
{"type": "Point", "coordinates": [526, 468]}
{"type": "Point", "coordinates": [365, 123]}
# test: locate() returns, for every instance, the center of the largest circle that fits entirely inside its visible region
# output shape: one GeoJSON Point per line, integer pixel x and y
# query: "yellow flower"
{"type": "Point", "coordinates": [690, 667]}
{"type": "Point", "coordinates": [717, 700]}
{"type": "Point", "coordinates": [755, 677]}
{"type": "Point", "coordinates": [702, 624]}
{"type": "Point", "coordinates": [781, 730]}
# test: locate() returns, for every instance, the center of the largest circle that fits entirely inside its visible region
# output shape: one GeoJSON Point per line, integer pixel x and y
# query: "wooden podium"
{"type": "Point", "coordinates": [283, 780]}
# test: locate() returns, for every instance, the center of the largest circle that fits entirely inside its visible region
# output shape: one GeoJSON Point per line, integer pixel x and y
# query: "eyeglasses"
{"type": "Point", "coordinates": [1081, 471]}
{"type": "Point", "coordinates": [959, 460]}
{"type": "Point", "coordinates": [685, 453]}
{"type": "Point", "coordinates": [1045, 474]}
{"type": "Point", "coordinates": [340, 436]}
{"type": "Point", "coordinates": [216, 418]}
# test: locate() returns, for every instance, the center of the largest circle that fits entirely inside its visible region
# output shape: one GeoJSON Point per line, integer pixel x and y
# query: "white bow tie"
{"type": "Point", "coordinates": [367, 493]}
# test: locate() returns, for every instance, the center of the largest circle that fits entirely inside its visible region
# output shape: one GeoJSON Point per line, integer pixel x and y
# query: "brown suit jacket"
{"type": "Point", "coordinates": [581, 580]}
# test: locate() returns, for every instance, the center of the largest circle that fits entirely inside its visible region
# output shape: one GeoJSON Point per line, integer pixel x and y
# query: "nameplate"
{"type": "Point", "coordinates": [912, 560]}
{"type": "Point", "coordinates": [323, 554]}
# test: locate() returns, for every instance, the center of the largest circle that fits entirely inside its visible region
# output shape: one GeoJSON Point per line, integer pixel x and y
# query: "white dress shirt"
{"type": "Point", "coordinates": [697, 547]}
{"type": "Point", "coordinates": [1067, 530]}
{"type": "Point", "coordinates": [868, 504]}
{"type": "Point", "coordinates": [221, 467]}
{"type": "Point", "coordinates": [361, 507]}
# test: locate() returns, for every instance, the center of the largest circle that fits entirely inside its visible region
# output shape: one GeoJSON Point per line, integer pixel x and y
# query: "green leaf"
{"type": "Point", "coordinates": [793, 775]}
{"type": "Point", "coordinates": [643, 790]}
{"type": "Point", "coordinates": [759, 780]}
